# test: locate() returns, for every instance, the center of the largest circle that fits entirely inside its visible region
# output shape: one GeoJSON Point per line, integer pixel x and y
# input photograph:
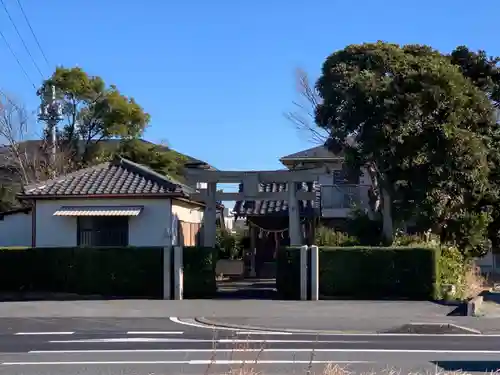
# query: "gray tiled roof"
{"type": "Point", "coordinates": [118, 177]}
{"type": "Point", "coordinates": [260, 208]}
{"type": "Point", "coordinates": [318, 152]}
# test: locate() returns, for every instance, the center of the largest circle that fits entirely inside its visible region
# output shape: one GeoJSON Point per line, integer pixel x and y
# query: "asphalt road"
{"type": "Point", "coordinates": [161, 346]}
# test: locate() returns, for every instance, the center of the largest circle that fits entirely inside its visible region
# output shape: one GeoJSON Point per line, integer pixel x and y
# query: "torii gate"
{"type": "Point", "coordinates": [251, 180]}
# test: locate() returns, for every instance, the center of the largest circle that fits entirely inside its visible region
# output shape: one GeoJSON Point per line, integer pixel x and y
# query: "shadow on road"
{"type": "Point", "coordinates": [484, 367]}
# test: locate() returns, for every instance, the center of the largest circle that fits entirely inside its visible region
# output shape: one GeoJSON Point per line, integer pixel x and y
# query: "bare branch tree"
{"type": "Point", "coordinates": [303, 114]}
{"type": "Point", "coordinates": [23, 160]}
{"type": "Point", "coordinates": [13, 129]}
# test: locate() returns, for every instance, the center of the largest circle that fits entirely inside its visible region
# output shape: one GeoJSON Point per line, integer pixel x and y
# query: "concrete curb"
{"type": "Point", "coordinates": [474, 305]}
{"type": "Point", "coordinates": [242, 327]}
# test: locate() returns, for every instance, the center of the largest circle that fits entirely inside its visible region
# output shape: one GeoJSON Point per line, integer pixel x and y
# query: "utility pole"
{"type": "Point", "coordinates": [51, 114]}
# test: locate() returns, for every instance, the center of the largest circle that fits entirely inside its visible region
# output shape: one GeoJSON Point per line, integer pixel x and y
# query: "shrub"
{"type": "Point", "coordinates": [456, 269]}
{"type": "Point", "coordinates": [120, 272]}
{"type": "Point", "coordinates": [199, 272]}
{"type": "Point", "coordinates": [325, 236]}
{"type": "Point", "coordinates": [367, 231]}
{"type": "Point", "coordinates": [228, 244]}
{"type": "Point", "coordinates": [288, 273]}
{"type": "Point", "coordinates": [378, 272]}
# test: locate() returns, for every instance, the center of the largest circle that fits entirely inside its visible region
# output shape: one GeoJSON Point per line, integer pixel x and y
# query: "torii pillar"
{"type": "Point", "coordinates": [210, 216]}
{"type": "Point", "coordinates": [294, 228]}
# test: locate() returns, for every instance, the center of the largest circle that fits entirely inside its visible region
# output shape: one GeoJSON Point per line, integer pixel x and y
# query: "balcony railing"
{"type": "Point", "coordinates": [342, 196]}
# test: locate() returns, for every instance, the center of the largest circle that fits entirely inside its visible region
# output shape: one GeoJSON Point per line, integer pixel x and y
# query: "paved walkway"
{"type": "Point", "coordinates": [354, 316]}
{"type": "Point", "coordinates": [225, 308]}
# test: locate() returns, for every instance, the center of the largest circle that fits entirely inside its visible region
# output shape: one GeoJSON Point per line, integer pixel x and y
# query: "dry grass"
{"type": "Point", "coordinates": [335, 369]}
{"type": "Point", "coordinates": [475, 282]}
{"type": "Point", "coordinates": [249, 356]}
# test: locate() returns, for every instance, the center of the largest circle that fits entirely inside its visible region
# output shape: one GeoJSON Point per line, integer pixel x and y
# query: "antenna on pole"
{"type": "Point", "coordinates": [51, 113]}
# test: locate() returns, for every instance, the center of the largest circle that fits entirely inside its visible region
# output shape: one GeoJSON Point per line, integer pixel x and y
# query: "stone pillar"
{"type": "Point", "coordinates": [167, 271]}
{"type": "Point", "coordinates": [303, 273]}
{"type": "Point", "coordinates": [253, 249]}
{"type": "Point", "coordinates": [178, 273]}
{"type": "Point", "coordinates": [314, 273]}
{"type": "Point", "coordinates": [294, 227]}
{"type": "Point", "coordinates": [210, 216]}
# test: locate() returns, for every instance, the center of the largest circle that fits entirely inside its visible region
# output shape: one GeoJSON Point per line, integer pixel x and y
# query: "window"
{"type": "Point", "coordinates": [102, 231]}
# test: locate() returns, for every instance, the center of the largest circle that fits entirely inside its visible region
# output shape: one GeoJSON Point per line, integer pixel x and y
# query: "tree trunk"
{"type": "Point", "coordinates": [387, 221]}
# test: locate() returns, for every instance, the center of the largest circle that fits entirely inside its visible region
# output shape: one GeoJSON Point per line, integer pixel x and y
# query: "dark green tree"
{"type": "Point", "coordinates": [418, 125]}
{"type": "Point", "coordinates": [159, 158]}
{"type": "Point", "coordinates": [484, 72]}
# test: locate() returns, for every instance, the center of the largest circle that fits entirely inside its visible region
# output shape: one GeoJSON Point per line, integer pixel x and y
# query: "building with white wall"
{"type": "Point", "coordinates": [119, 203]}
{"type": "Point", "coordinates": [15, 228]}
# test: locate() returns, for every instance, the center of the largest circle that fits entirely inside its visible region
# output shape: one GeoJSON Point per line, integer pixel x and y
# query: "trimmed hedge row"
{"type": "Point", "coordinates": [109, 272]}
{"type": "Point", "coordinates": [288, 273]}
{"type": "Point", "coordinates": [378, 272]}
{"type": "Point", "coordinates": [199, 272]}
{"type": "Point", "coordinates": [364, 272]}
{"type": "Point", "coordinates": [120, 272]}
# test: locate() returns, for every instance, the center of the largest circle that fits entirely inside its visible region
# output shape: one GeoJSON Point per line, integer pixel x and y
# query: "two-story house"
{"type": "Point", "coordinates": [337, 193]}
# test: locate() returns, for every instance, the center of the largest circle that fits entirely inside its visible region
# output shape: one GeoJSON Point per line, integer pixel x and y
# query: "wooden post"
{"type": "Point", "coordinates": [314, 273]}
{"type": "Point", "coordinates": [178, 273]}
{"type": "Point", "coordinates": [294, 227]}
{"type": "Point", "coordinates": [167, 272]}
{"type": "Point", "coordinates": [210, 216]}
{"type": "Point", "coordinates": [303, 273]}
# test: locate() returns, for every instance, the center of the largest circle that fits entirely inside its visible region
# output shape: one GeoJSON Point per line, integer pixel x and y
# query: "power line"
{"type": "Point", "coordinates": [17, 59]}
{"type": "Point", "coordinates": [21, 37]}
{"type": "Point", "coordinates": [6, 97]}
{"type": "Point", "coordinates": [33, 33]}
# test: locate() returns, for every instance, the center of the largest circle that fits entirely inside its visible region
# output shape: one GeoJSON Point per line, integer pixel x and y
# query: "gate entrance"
{"type": "Point", "coordinates": [279, 207]}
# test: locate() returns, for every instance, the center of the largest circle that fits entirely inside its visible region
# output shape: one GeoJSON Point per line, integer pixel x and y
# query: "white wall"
{"type": "Point", "coordinates": [151, 228]}
{"type": "Point", "coordinates": [15, 230]}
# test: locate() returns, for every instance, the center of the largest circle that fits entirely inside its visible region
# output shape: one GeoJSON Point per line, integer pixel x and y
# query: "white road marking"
{"type": "Point", "coordinates": [43, 333]}
{"type": "Point", "coordinates": [262, 333]}
{"type": "Point", "coordinates": [188, 362]}
{"type": "Point", "coordinates": [271, 350]}
{"type": "Point", "coordinates": [155, 333]}
{"type": "Point", "coordinates": [219, 341]}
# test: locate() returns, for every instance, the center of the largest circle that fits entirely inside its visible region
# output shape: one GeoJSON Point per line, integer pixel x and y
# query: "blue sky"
{"type": "Point", "coordinates": [217, 76]}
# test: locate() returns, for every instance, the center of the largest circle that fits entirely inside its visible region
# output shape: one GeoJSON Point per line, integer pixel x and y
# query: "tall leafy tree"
{"type": "Point", "coordinates": [484, 72]}
{"type": "Point", "coordinates": [413, 120]}
{"type": "Point", "coordinates": [93, 112]}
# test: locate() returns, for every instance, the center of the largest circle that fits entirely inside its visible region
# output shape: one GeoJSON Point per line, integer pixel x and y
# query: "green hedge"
{"type": "Point", "coordinates": [120, 272]}
{"type": "Point", "coordinates": [364, 272]}
{"type": "Point", "coordinates": [199, 272]}
{"type": "Point", "coordinates": [288, 273]}
{"type": "Point", "coordinates": [378, 272]}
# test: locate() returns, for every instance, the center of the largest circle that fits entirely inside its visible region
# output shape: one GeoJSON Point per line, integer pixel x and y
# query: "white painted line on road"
{"type": "Point", "coordinates": [43, 333]}
{"type": "Point", "coordinates": [262, 333]}
{"type": "Point", "coordinates": [220, 341]}
{"type": "Point", "coordinates": [155, 333]}
{"type": "Point", "coordinates": [270, 350]}
{"type": "Point", "coordinates": [188, 362]}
